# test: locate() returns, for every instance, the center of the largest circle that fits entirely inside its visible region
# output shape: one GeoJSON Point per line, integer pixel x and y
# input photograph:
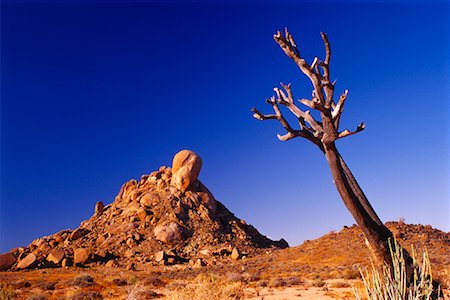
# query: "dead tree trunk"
{"type": "Point", "coordinates": [323, 133]}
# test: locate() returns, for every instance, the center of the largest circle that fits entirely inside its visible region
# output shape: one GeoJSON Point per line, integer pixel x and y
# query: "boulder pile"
{"type": "Point", "coordinates": [166, 217]}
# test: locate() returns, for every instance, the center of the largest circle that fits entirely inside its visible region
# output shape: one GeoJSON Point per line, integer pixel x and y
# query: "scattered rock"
{"type": "Point", "coordinates": [99, 206]}
{"type": "Point", "coordinates": [78, 233]}
{"type": "Point", "coordinates": [111, 263]}
{"type": "Point", "coordinates": [199, 263]}
{"type": "Point", "coordinates": [160, 256]}
{"type": "Point", "coordinates": [28, 262]}
{"type": "Point", "coordinates": [7, 260]}
{"type": "Point", "coordinates": [235, 254]}
{"type": "Point", "coordinates": [81, 256]}
{"type": "Point", "coordinates": [56, 256]}
{"type": "Point", "coordinates": [186, 167]}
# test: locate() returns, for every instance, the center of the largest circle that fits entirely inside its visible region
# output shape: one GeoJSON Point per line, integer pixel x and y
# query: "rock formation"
{"type": "Point", "coordinates": [166, 217]}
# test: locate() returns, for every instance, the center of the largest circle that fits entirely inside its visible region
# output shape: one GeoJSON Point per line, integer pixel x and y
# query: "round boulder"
{"type": "Point", "coordinates": [186, 167]}
{"type": "Point", "coordinates": [171, 233]}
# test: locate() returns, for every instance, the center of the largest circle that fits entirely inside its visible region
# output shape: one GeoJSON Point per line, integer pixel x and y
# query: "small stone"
{"type": "Point", "coordinates": [111, 263]}
{"type": "Point", "coordinates": [129, 253]}
{"type": "Point", "coordinates": [65, 262]}
{"type": "Point", "coordinates": [56, 256]}
{"type": "Point", "coordinates": [99, 206]}
{"type": "Point", "coordinates": [160, 256]}
{"type": "Point", "coordinates": [82, 255]}
{"type": "Point", "coordinates": [7, 260]}
{"type": "Point", "coordinates": [28, 262]}
{"type": "Point", "coordinates": [130, 266]}
{"type": "Point", "coordinates": [235, 254]}
{"type": "Point", "coordinates": [199, 263]}
{"type": "Point", "coordinates": [205, 252]}
{"type": "Point", "coordinates": [142, 213]}
{"type": "Point", "coordinates": [171, 260]}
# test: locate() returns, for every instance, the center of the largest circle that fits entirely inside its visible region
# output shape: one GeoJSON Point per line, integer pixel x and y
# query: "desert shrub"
{"type": "Point", "coordinates": [83, 280]}
{"type": "Point", "coordinates": [132, 280]}
{"type": "Point", "coordinates": [233, 276]}
{"type": "Point", "coordinates": [89, 295]}
{"type": "Point", "coordinates": [6, 292]}
{"type": "Point", "coordinates": [351, 274]}
{"type": "Point", "coordinates": [139, 292]}
{"type": "Point", "coordinates": [47, 286]}
{"type": "Point", "coordinates": [209, 287]}
{"type": "Point", "coordinates": [385, 284]}
{"type": "Point", "coordinates": [22, 284]}
{"type": "Point", "coordinates": [294, 280]}
{"type": "Point", "coordinates": [254, 277]}
{"type": "Point", "coordinates": [37, 297]}
{"type": "Point", "coordinates": [318, 282]}
{"type": "Point", "coordinates": [119, 281]}
{"type": "Point", "coordinates": [262, 283]}
{"type": "Point", "coordinates": [276, 282]}
{"type": "Point", "coordinates": [153, 281]}
{"type": "Point", "coordinates": [340, 284]}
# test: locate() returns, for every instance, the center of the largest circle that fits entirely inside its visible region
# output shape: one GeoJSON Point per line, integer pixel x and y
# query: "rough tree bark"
{"type": "Point", "coordinates": [323, 134]}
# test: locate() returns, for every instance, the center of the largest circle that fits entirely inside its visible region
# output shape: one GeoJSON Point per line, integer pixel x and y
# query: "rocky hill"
{"type": "Point", "coordinates": [166, 217]}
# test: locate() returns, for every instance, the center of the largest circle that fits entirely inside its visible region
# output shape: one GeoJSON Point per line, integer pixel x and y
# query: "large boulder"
{"type": "Point", "coordinates": [28, 261]}
{"type": "Point", "coordinates": [186, 167]}
{"type": "Point", "coordinates": [7, 260]}
{"type": "Point", "coordinates": [82, 256]}
{"type": "Point", "coordinates": [56, 256]}
{"type": "Point", "coordinates": [171, 233]}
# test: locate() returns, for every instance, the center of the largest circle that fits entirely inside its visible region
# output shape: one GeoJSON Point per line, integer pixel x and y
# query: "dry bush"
{"type": "Point", "coordinates": [89, 295]}
{"type": "Point", "coordinates": [47, 286]}
{"type": "Point", "coordinates": [318, 282]}
{"type": "Point", "coordinates": [139, 292]}
{"type": "Point", "coordinates": [276, 282]}
{"type": "Point", "coordinates": [6, 292]}
{"type": "Point", "coordinates": [209, 287]}
{"type": "Point", "coordinates": [119, 281]}
{"type": "Point", "coordinates": [22, 284]}
{"type": "Point", "coordinates": [262, 283]}
{"type": "Point", "coordinates": [153, 281]}
{"type": "Point", "coordinates": [340, 284]}
{"type": "Point", "coordinates": [351, 274]}
{"type": "Point", "coordinates": [37, 297]}
{"type": "Point", "coordinates": [83, 280]}
{"type": "Point", "coordinates": [293, 280]}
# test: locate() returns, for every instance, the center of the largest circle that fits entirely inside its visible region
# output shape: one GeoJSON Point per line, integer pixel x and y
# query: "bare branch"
{"type": "Point", "coordinates": [347, 132]}
{"type": "Point", "coordinates": [338, 109]}
{"type": "Point", "coordinates": [259, 116]}
{"type": "Point", "coordinates": [327, 49]}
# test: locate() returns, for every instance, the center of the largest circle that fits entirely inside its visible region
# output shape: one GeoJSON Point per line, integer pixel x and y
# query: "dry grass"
{"type": "Point", "coordinates": [209, 287]}
{"type": "Point", "coordinates": [6, 292]}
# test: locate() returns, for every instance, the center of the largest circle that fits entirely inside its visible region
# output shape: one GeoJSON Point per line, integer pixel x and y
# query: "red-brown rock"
{"type": "Point", "coordinates": [82, 256]}
{"type": "Point", "coordinates": [7, 260]}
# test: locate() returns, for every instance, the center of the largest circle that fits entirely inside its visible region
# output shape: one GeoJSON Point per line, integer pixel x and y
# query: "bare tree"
{"type": "Point", "coordinates": [324, 133]}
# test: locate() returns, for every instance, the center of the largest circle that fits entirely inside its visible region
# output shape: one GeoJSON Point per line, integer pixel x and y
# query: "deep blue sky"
{"type": "Point", "coordinates": [93, 95]}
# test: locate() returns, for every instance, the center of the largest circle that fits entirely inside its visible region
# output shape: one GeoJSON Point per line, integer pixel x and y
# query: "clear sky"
{"type": "Point", "coordinates": [93, 95]}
